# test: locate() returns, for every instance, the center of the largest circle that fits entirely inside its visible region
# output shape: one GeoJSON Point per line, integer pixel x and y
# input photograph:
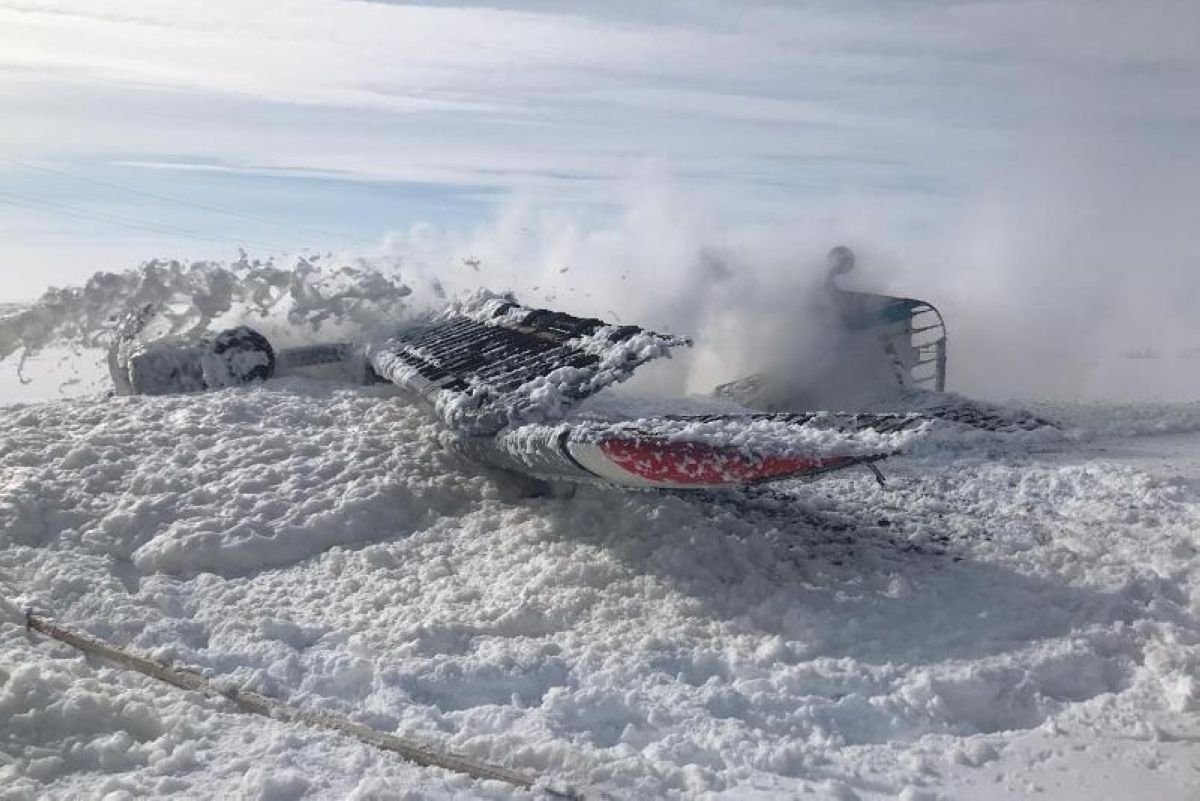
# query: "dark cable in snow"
{"type": "Point", "coordinates": [268, 707]}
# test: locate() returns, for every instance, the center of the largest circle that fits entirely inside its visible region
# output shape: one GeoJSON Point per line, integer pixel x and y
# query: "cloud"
{"type": "Point", "coordinates": [513, 94]}
{"type": "Point", "coordinates": [444, 87]}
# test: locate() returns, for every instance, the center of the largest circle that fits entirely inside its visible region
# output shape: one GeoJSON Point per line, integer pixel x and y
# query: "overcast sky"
{"type": "Point", "coordinates": [986, 134]}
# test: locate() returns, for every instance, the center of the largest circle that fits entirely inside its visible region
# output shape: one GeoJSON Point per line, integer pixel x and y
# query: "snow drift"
{"type": "Point", "coordinates": [1005, 616]}
{"type": "Point", "coordinates": [976, 627]}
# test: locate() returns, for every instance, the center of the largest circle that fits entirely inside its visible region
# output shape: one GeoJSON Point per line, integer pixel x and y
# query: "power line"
{"type": "Point", "coordinates": [50, 207]}
{"type": "Point", "coordinates": [187, 203]}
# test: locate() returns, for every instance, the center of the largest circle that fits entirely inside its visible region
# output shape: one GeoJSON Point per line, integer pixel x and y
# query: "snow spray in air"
{"type": "Point", "coordinates": [752, 298]}
{"type": "Point", "coordinates": [57, 345]}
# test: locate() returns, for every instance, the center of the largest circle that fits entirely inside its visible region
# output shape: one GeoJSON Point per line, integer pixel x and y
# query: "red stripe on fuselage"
{"type": "Point", "coordinates": [693, 463]}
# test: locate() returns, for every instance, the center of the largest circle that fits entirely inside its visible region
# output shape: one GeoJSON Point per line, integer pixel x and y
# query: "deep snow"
{"type": "Point", "coordinates": [996, 621]}
{"type": "Point", "coordinates": [1010, 616]}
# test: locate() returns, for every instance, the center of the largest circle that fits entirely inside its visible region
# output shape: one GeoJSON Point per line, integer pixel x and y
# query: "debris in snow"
{"type": "Point", "coordinates": [257, 704]}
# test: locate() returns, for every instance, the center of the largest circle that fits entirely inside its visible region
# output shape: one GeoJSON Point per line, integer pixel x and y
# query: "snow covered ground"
{"type": "Point", "coordinates": [998, 622]}
{"type": "Point", "coordinates": [1007, 618]}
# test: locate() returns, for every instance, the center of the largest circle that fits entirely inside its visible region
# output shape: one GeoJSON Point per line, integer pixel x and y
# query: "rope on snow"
{"type": "Point", "coordinates": [269, 707]}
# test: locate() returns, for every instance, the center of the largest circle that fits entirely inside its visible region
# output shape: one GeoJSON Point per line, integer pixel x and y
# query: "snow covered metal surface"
{"type": "Point", "coordinates": [994, 623]}
{"type": "Point", "coordinates": [488, 362]}
{"type": "Point", "coordinates": [499, 374]}
{"type": "Point", "coordinates": [693, 451]}
{"type": "Point", "coordinates": [770, 394]}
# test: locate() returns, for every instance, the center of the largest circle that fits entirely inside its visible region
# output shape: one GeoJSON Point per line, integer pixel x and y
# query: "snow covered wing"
{"type": "Point", "coordinates": [490, 362]}
{"type": "Point", "coordinates": [695, 451]}
{"type": "Point", "coordinates": [956, 409]}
